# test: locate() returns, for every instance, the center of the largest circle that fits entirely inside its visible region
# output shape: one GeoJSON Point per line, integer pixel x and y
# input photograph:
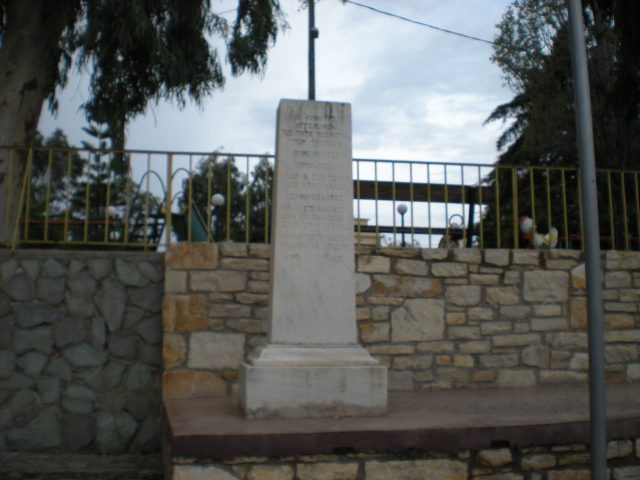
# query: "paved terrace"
{"type": "Point", "coordinates": [205, 428]}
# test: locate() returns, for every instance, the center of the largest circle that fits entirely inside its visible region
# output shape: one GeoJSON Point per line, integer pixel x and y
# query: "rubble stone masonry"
{"type": "Point", "coordinates": [436, 318]}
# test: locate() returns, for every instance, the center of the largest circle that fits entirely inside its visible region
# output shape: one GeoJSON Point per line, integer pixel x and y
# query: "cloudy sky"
{"type": "Point", "coordinates": [416, 93]}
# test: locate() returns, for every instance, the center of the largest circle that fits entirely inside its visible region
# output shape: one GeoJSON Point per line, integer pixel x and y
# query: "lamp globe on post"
{"type": "Point", "coordinates": [217, 200]}
{"type": "Point", "coordinates": [402, 209]}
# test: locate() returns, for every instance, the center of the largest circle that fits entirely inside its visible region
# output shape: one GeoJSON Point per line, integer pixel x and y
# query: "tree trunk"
{"type": "Point", "coordinates": [29, 59]}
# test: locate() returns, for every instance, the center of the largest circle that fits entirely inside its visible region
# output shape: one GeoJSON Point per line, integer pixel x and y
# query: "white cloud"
{"type": "Point", "coordinates": [415, 93]}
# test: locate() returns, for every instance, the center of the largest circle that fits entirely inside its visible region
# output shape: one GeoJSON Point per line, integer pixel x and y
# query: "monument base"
{"type": "Point", "coordinates": [283, 381]}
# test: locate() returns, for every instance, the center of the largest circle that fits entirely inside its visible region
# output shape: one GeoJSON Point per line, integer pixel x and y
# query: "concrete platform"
{"type": "Point", "coordinates": [452, 420]}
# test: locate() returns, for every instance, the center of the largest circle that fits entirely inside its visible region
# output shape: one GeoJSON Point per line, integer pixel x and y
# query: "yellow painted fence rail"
{"type": "Point", "coordinates": [73, 198]}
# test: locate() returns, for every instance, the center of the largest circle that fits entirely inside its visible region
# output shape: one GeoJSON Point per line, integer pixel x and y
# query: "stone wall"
{"type": "Point", "coordinates": [80, 351]}
{"type": "Point", "coordinates": [558, 462]}
{"type": "Point", "coordinates": [437, 318]}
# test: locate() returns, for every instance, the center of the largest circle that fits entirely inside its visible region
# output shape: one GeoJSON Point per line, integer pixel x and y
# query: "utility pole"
{"type": "Point", "coordinates": [313, 34]}
{"type": "Point", "coordinates": [597, 389]}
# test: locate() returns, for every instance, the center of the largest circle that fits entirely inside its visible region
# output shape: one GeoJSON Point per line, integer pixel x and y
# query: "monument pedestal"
{"type": "Point", "coordinates": [313, 365]}
{"type": "Point", "coordinates": [284, 381]}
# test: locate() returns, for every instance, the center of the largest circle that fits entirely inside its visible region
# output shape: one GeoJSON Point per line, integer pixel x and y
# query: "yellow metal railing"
{"type": "Point", "coordinates": [136, 199]}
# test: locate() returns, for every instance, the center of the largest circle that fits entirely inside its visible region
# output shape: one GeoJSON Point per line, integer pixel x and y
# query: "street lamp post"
{"type": "Point", "coordinates": [402, 209]}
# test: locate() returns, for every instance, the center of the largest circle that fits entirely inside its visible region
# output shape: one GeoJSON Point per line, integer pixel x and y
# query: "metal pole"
{"type": "Point", "coordinates": [313, 34]}
{"type": "Point", "coordinates": [597, 389]}
{"type": "Point", "coordinates": [404, 244]}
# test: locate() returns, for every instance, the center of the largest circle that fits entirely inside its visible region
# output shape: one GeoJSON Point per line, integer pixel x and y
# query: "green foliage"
{"type": "Point", "coordinates": [146, 50]}
{"type": "Point", "coordinates": [247, 198]}
{"type": "Point", "coordinates": [532, 49]}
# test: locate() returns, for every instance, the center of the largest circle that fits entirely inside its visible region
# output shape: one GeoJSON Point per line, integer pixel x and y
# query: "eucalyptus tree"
{"type": "Point", "coordinates": [138, 51]}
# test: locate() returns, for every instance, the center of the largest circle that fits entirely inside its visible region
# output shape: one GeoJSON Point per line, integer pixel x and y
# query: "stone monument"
{"type": "Point", "coordinates": [312, 365]}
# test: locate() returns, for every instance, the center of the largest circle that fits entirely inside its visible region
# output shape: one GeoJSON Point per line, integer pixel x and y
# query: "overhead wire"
{"type": "Point", "coordinates": [423, 24]}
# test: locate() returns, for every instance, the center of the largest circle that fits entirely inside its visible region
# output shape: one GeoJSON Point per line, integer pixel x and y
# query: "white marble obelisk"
{"type": "Point", "coordinates": [313, 365]}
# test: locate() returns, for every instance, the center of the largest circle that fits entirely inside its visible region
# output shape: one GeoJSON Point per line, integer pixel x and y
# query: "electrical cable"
{"type": "Point", "coordinates": [440, 29]}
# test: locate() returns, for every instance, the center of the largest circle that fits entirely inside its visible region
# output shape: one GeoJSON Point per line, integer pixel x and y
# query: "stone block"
{"type": "Point", "coordinates": [617, 279]}
{"type": "Point", "coordinates": [468, 255]}
{"type": "Point", "coordinates": [184, 313]}
{"type": "Point", "coordinates": [260, 250]}
{"type": "Point", "coordinates": [215, 350]}
{"type": "Point", "coordinates": [53, 268]}
{"type": "Point", "coordinates": [252, 298]}
{"type": "Point", "coordinates": [245, 264]}
{"type": "Point", "coordinates": [147, 298]}
{"type": "Point", "coordinates": [229, 310]}
{"type": "Point", "coordinates": [615, 321]}
{"type": "Point", "coordinates": [498, 257]}
{"type": "Point", "coordinates": [619, 449]}
{"type": "Point", "coordinates": [549, 324]}
{"type": "Point", "coordinates": [69, 331]}
{"type": "Point", "coordinates": [516, 312]}
{"type": "Point", "coordinates": [435, 253]}
{"type": "Point", "coordinates": [538, 461]}
{"type": "Point", "coordinates": [546, 286]}
{"type": "Point", "coordinates": [217, 281]}
{"type": "Point", "coordinates": [373, 332]}
{"type": "Point", "coordinates": [373, 264]}
{"type": "Point", "coordinates": [256, 286]}
{"type": "Point", "coordinates": [247, 325]}
{"type": "Point", "coordinates": [401, 286]}
{"type": "Point", "coordinates": [50, 290]}
{"type": "Point", "coordinates": [562, 377]}
{"type": "Point", "coordinates": [140, 377]}
{"type": "Point", "coordinates": [456, 318]}
{"type": "Point", "coordinates": [175, 281]}
{"type": "Point", "coordinates": [327, 471]}
{"type": "Point", "coordinates": [516, 378]}
{"type": "Point", "coordinates": [78, 431]}
{"type": "Point", "coordinates": [405, 266]}
{"type": "Point", "coordinates": [536, 356]}
{"type": "Point", "coordinates": [191, 256]}
{"type": "Point", "coordinates": [413, 362]}
{"type": "Point", "coordinates": [463, 361]}
{"type": "Point", "coordinates": [547, 310]}
{"type": "Point", "coordinates": [29, 315]}
{"type": "Point", "coordinates": [579, 276]}
{"type": "Point", "coordinates": [621, 353]}
{"type": "Point", "coordinates": [491, 328]}
{"type": "Point", "coordinates": [569, 475]}
{"type": "Point", "coordinates": [516, 339]}
{"type": "Point", "coordinates": [363, 282]}
{"type": "Point", "coordinates": [99, 268]}
{"type": "Point", "coordinates": [460, 332]}
{"type": "Point", "coordinates": [481, 346]}
{"type": "Point", "coordinates": [123, 344]}
{"type": "Point", "coordinates": [495, 457]}
{"type": "Point", "coordinates": [111, 301]}
{"type": "Point", "coordinates": [426, 469]}
{"type": "Point", "coordinates": [436, 347]}
{"type": "Point", "coordinates": [418, 320]}
{"type": "Point", "coordinates": [201, 472]}
{"type": "Point", "coordinates": [41, 433]}
{"type": "Point", "coordinates": [84, 355]}
{"type": "Point", "coordinates": [283, 381]}
{"type": "Point", "coordinates": [502, 360]}
{"type": "Point", "coordinates": [129, 274]}
{"type": "Point", "coordinates": [483, 376]}
{"type": "Point", "coordinates": [568, 340]}
{"type": "Point", "coordinates": [484, 279]}
{"type": "Point", "coordinates": [192, 383]}
{"type": "Point", "coordinates": [39, 339]}
{"type": "Point", "coordinates": [233, 249]}
{"type": "Point", "coordinates": [32, 363]}
{"type": "Point", "coordinates": [633, 374]}
{"type": "Point", "coordinates": [578, 312]}
{"type": "Point", "coordinates": [463, 295]}
{"type": "Point", "coordinates": [19, 288]}
{"type": "Point", "coordinates": [503, 295]}
{"type": "Point", "coordinates": [626, 473]}
{"type": "Point", "coordinates": [480, 314]}
{"type": "Point", "coordinates": [526, 257]}
{"type": "Point", "coordinates": [449, 269]}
